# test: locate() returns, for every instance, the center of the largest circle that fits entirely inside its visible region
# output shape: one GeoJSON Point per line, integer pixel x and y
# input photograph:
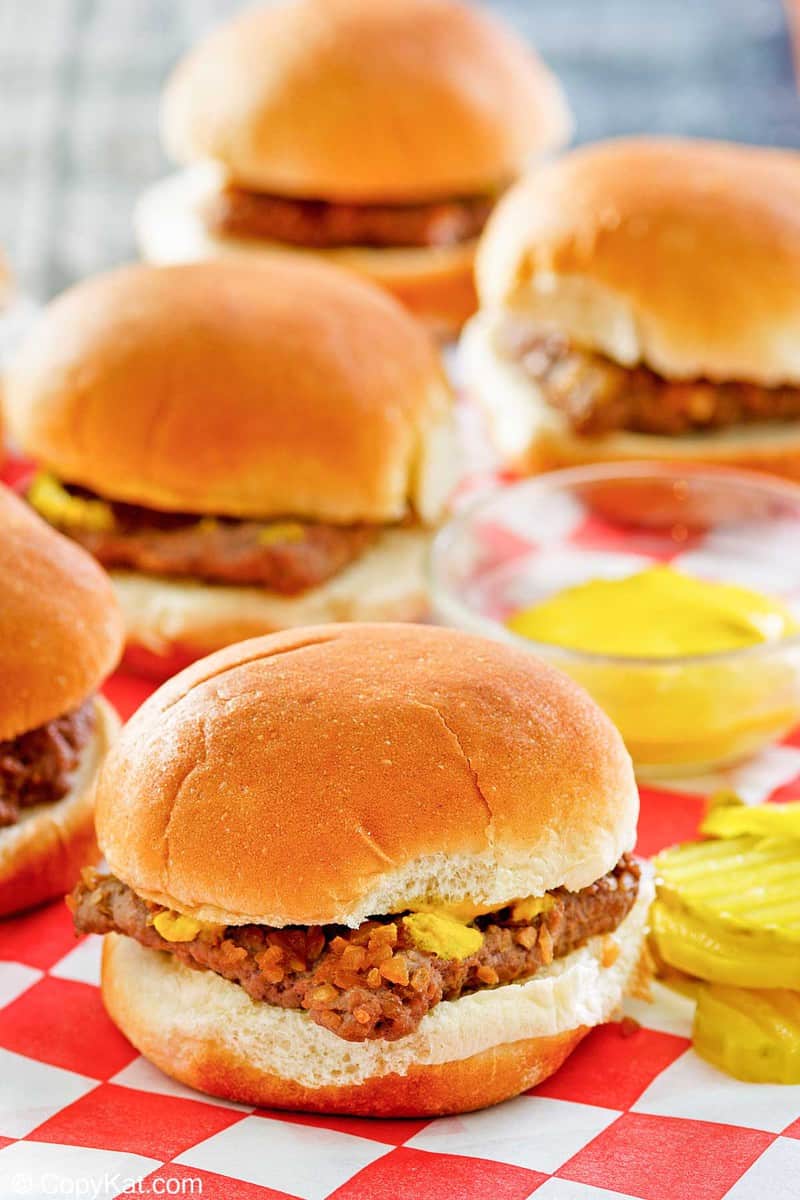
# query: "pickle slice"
{"type": "Point", "coordinates": [680, 982]}
{"type": "Point", "coordinates": [722, 955]}
{"type": "Point", "coordinates": [753, 1035]}
{"type": "Point", "coordinates": [766, 820]}
{"type": "Point", "coordinates": [745, 884]}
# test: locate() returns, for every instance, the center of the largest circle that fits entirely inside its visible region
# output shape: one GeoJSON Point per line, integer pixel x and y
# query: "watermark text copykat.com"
{"type": "Point", "coordinates": [40, 1184]}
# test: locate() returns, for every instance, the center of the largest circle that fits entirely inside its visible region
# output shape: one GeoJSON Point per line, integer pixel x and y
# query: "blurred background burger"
{"type": "Point", "coordinates": [640, 300]}
{"type": "Point", "coordinates": [377, 134]}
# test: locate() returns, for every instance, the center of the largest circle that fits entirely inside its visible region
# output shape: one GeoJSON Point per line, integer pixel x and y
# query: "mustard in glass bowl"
{"type": "Point", "coordinates": [671, 593]}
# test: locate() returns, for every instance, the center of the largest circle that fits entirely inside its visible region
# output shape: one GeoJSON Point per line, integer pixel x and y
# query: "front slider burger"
{"type": "Point", "coordinates": [60, 636]}
{"type": "Point", "coordinates": [245, 447]}
{"type": "Point", "coordinates": [376, 133]}
{"type": "Point", "coordinates": [375, 869]}
{"type": "Point", "coordinates": [640, 300]}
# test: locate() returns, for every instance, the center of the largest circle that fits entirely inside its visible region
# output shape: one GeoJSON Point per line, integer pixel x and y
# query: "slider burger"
{"type": "Point", "coordinates": [245, 446]}
{"type": "Point", "coordinates": [376, 869]}
{"type": "Point", "coordinates": [640, 299]}
{"type": "Point", "coordinates": [376, 134]}
{"type": "Point", "coordinates": [60, 635]}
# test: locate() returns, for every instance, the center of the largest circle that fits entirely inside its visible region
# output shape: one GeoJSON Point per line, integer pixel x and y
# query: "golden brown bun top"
{"type": "Point", "coordinates": [328, 773]}
{"type": "Point", "coordinates": [61, 631]}
{"type": "Point", "coordinates": [681, 254]}
{"type": "Point", "coordinates": [279, 388]}
{"type": "Point", "coordinates": [364, 100]}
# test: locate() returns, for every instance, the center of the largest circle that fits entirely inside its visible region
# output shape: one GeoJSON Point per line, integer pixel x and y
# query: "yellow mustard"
{"type": "Point", "coordinates": [178, 927]}
{"type": "Point", "coordinates": [443, 935]}
{"type": "Point", "coordinates": [281, 532]}
{"type": "Point", "coordinates": [694, 714]}
{"type": "Point", "coordinates": [533, 906]}
{"type": "Point", "coordinates": [657, 613]}
{"type": "Point", "coordinates": [58, 506]}
{"type": "Point", "coordinates": [463, 911]}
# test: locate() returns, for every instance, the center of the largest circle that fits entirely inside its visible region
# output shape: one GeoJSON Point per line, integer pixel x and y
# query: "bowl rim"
{"type": "Point", "coordinates": [444, 598]}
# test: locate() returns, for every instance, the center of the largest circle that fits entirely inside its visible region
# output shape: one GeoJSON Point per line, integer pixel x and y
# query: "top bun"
{"type": "Point", "coordinates": [60, 628]}
{"type": "Point", "coordinates": [279, 388]}
{"type": "Point", "coordinates": [364, 100]}
{"type": "Point", "coordinates": [331, 773]}
{"type": "Point", "coordinates": [683, 255]}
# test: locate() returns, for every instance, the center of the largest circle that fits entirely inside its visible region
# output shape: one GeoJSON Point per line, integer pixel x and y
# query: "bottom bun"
{"type": "Point", "coordinates": [531, 436]}
{"type": "Point", "coordinates": [435, 282]}
{"type": "Point", "coordinates": [164, 615]}
{"type": "Point", "coordinates": [206, 1032]}
{"type": "Point", "coordinates": [42, 855]}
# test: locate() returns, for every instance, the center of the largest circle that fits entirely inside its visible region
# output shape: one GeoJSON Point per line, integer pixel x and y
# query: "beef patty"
{"type": "Point", "coordinates": [285, 556]}
{"type": "Point", "coordinates": [320, 224]}
{"type": "Point", "coordinates": [36, 767]}
{"type": "Point", "coordinates": [599, 396]}
{"type": "Point", "coordinates": [370, 982]}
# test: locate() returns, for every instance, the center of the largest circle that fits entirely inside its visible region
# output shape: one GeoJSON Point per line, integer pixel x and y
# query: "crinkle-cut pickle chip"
{"type": "Point", "coordinates": [733, 956]}
{"type": "Point", "coordinates": [764, 820]}
{"type": "Point", "coordinates": [753, 1035]}
{"type": "Point", "coordinates": [746, 884]}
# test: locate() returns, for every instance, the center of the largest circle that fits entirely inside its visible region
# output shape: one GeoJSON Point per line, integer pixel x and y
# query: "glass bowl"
{"type": "Point", "coordinates": [521, 543]}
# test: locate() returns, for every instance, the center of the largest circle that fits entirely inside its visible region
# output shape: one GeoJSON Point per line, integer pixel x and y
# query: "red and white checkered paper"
{"type": "Point", "coordinates": [631, 1114]}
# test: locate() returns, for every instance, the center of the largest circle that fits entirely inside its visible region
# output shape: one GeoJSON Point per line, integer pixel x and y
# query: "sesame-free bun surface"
{"type": "Point", "coordinates": [530, 435]}
{"type": "Point", "coordinates": [330, 773]}
{"type": "Point", "coordinates": [436, 283]}
{"type": "Point", "coordinates": [60, 627]}
{"type": "Point", "coordinates": [466, 1053]}
{"type": "Point", "coordinates": [42, 855]}
{"type": "Point", "coordinates": [683, 255]}
{"type": "Point", "coordinates": [240, 389]}
{"type": "Point", "coordinates": [357, 100]}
